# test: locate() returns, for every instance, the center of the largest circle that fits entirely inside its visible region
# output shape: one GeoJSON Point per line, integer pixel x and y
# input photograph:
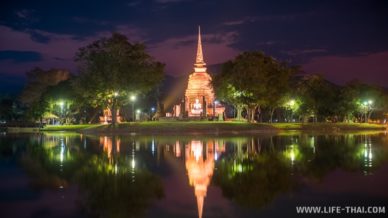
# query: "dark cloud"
{"type": "Point", "coordinates": [38, 36]}
{"type": "Point", "coordinates": [20, 56]}
{"type": "Point", "coordinates": [11, 84]}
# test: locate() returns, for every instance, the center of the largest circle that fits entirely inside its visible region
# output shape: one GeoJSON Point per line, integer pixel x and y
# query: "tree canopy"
{"type": "Point", "coordinates": [253, 79]}
{"type": "Point", "coordinates": [111, 69]}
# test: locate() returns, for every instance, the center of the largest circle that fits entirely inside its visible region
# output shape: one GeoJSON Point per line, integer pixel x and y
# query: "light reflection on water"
{"type": "Point", "coordinates": [134, 176]}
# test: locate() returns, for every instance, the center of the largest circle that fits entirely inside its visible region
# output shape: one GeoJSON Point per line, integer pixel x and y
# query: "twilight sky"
{"type": "Point", "coordinates": [342, 40]}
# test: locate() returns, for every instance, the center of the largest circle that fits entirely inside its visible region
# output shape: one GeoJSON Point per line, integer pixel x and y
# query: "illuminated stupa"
{"type": "Point", "coordinates": [199, 95]}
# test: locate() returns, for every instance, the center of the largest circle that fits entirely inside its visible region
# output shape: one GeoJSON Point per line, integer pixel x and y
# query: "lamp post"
{"type": "Point", "coordinates": [133, 99]}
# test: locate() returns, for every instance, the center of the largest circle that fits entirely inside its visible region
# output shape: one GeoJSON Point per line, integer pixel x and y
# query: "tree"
{"type": "Point", "coordinates": [6, 109]}
{"type": "Point", "coordinates": [290, 105]}
{"type": "Point", "coordinates": [228, 93]}
{"type": "Point", "coordinates": [62, 101]}
{"type": "Point", "coordinates": [252, 80]}
{"type": "Point", "coordinates": [111, 69]}
{"type": "Point", "coordinates": [318, 96]}
{"type": "Point", "coordinates": [361, 100]}
{"type": "Point", "coordinates": [38, 80]}
{"type": "Point", "coordinates": [278, 86]}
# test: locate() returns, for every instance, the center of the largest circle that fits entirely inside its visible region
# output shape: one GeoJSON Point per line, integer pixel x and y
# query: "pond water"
{"type": "Point", "coordinates": [73, 175]}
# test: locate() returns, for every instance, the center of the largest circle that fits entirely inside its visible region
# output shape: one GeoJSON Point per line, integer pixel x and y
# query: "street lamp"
{"type": "Point", "coordinates": [133, 99]}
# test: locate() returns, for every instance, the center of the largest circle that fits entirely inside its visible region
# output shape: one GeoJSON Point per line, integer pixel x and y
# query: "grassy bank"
{"type": "Point", "coordinates": [209, 127]}
{"type": "Point", "coordinates": [70, 127]}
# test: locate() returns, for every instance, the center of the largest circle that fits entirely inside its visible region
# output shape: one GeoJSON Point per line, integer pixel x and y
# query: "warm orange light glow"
{"type": "Point", "coordinates": [200, 169]}
{"type": "Point", "coordinates": [107, 116]}
{"type": "Point", "coordinates": [199, 86]}
{"type": "Point", "coordinates": [107, 144]}
{"type": "Point", "coordinates": [177, 149]}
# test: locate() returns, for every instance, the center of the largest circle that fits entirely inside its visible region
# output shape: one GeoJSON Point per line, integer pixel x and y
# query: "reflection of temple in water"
{"type": "Point", "coordinates": [200, 166]}
{"type": "Point", "coordinates": [111, 146]}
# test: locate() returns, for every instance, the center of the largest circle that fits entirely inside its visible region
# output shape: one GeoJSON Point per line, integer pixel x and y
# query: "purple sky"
{"type": "Point", "coordinates": [342, 40]}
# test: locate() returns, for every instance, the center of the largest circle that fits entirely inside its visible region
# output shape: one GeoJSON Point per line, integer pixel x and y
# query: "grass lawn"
{"type": "Point", "coordinates": [69, 127]}
{"type": "Point", "coordinates": [211, 126]}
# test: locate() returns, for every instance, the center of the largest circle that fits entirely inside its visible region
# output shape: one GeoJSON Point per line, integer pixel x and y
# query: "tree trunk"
{"type": "Point", "coordinates": [258, 108]}
{"type": "Point", "coordinates": [239, 109]}
{"type": "Point", "coordinates": [113, 111]}
{"type": "Point", "coordinates": [272, 110]}
{"type": "Point", "coordinates": [370, 114]}
{"type": "Point", "coordinates": [252, 113]}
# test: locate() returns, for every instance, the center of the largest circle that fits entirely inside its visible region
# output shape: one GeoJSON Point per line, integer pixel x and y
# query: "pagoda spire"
{"type": "Point", "coordinates": [199, 59]}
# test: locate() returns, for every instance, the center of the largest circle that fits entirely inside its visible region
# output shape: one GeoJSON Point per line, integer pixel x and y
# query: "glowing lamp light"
{"type": "Point", "coordinates": [138, 111]}
{"type": "Point", "coordinates": [133, 98]}
{"type": "Point", "coordinates": [367, 103]}
{"type": "Point", "coordinates": [61, 103]}
{"type": "Point", "coordinates": [292, 102]}
{"type": "Point", "coordinates": [133, 164]}
{"type": "Point", "coordinates": [116, 94]}
{"type": "Point", "coordinates": [152, 109]}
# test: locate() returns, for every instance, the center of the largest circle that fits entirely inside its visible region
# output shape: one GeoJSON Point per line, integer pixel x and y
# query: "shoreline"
{"type": "Point", "coordinates": [204, 128]}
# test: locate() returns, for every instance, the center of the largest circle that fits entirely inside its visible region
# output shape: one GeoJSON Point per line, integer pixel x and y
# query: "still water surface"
{"type": "Point", "coordinates": [73, 175]}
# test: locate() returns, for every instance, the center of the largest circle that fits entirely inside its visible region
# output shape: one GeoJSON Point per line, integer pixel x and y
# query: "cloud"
{"type": "Point", "coordinates": [84, 20]}
{"type": "Point", "coordinates": [133, 3]}
{"type": "Point", "coordinates": [370, 68]}
{"type": "Point", "coordinates": [297, 52]}
{"type": "Point", "coordinates": [239, 22]}
{"type": "Point", "coordinates": [170, 1]}
{"type": "Point", "coordinates": [265, 18]}
{"type": "Point", "coordinates": [58, 51]}
{"type": "Point", "coordinates": [11, 84]}
{"type": "Point", "coordinates": [24, 13]}
{"type": "Point", "coordinates": [20, 56]}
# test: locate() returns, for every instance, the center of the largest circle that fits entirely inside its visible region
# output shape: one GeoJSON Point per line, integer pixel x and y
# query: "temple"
{"type": "Point", "coordinates": [199, 98]}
